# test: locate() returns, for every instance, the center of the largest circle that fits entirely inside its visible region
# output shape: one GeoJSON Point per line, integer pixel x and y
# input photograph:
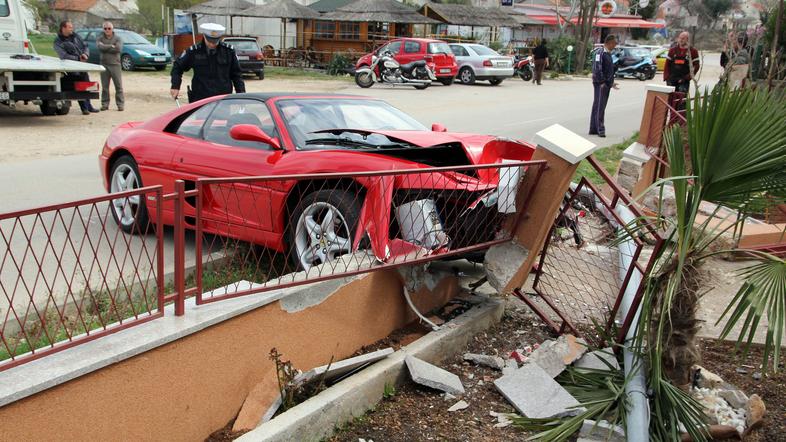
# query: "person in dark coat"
{"type": "Point", "coordinates": [70, 46]}
{"type": "Point", "coordinates": [541, 56]}
{"type": "Point", "coordinates": [216, 69]}
{"type": "Point", "coordinates": [602, 83]}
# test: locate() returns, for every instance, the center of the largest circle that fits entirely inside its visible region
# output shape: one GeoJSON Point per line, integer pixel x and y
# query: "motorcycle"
{"type": "Point", "coordinates": [415, 74]}
{"type": "Point", "coordinates": [642, 70]}
{"type": "Point", "coordinates": [524, 68]}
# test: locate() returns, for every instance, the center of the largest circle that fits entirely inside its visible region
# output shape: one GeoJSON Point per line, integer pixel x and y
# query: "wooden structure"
{"type": "Point", "coordinates": [467, 15]}
{"type": "Point", "coordinates": [224, 8]}
{"type": "Point", "coordinates": [285, 10]}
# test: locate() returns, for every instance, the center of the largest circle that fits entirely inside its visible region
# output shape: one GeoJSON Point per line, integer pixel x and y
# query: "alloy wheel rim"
{"type": "Point", "coordinates": [124, 179]}
{"type": "Point", "coordinates": [321, 235]}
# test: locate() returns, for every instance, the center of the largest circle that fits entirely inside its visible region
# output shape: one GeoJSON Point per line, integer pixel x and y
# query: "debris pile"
{"type": "Point", "coordinates": [724, 404]}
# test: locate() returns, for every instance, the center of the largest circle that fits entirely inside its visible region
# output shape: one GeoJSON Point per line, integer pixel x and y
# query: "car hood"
{"type": "Point", "coordinates": [151, 48]}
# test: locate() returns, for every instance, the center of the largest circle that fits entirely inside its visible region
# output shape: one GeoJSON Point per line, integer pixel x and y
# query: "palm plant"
{"type": "Point", "coordinates": [732, 152]}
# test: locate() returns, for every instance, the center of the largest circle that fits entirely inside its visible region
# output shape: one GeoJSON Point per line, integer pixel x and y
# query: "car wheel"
{"type": "Point", "coordinates": [641, 76]}
{"type": "Point", "coordinates": [130, 213]}
{"type": "Point", "coordinates": [446, 81]}
{"type": "Point", "coordinates": [65, 108]}
{"type": "Point", "coordinates": [364, 79]}
{"type": "Point", "coordinates": [322, 227]}
{"type": "Point", "coordinates": [48, 108]}
{"type": "Point", "coordinates": [466, 76]}
{"type": "Point", "coordinates": [495, 81]}
{"type": "Point", "coordinates": [526, 75]}
{"type": "Point", "coordinates": [261, 75]}
{"type": "Point", "coordinates": [126, 62]}
{"type": "Point", "coordinates": [160, 68]}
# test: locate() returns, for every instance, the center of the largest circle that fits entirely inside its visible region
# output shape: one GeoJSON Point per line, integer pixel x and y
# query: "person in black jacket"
{"type": "Point", "coordinates": [541, 56]}
{"type": "Point", "coordinates": [602, 83]}
{"type": "Point", "coordinates": [215, 65]}
{"type": "Point", "coordinates": [70, 46]}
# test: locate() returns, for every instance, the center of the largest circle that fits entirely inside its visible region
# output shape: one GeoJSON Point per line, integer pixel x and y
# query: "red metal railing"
{"type": "Point", "coordinates": [579, 282]}
{"type": "Point", "coordinates": [69, 275]}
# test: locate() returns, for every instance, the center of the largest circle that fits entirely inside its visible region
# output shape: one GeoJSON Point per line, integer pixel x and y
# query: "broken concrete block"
{"type": "Point", "coordinates": [494, 362]}
{"type": "Point", "coordinates": [534, 393]}
{"type": "Point", "coordinates": [502, 262]}
{"type": "Point", "coordinates": [553, 356]}
{"type": "Point", "coordinates": [706, 378]}
{"type": "Point", "coordinates": [510, 367]}
{"type": "Point", "coordinates": [460, 405]}
{"type": "Point", "coordinates": [598, 360]}
{"type": "Point", "coordinates": [260, 405]}
{"type": "Point", "coordinates": [343, 367]}
{"type": "Point", "coordinates": [754, 411]}
{"type": "Point", "coordinates": [503, 419]}
{"type": "Point", "coordinates": [601, 431]}
{"type": "Point", "coordinates": [734, 397]}
{"type": "Point", "coordinates": [432, 376]}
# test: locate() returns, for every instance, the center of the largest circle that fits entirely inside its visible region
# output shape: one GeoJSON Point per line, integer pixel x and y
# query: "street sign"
{"type": "Point", "coordinates": [690, 21]}
{"type": "Point", "coordinates": [507, 2]}
{"type": "Point", "coordinates": [607, 8]}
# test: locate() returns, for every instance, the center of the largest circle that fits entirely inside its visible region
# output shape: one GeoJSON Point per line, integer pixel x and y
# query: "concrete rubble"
{"type": "Point", "coordinates": [601, 431]}
{"type": "Point", "coordinates": [554, 356]}
{"type": "Point", "coordinates": [705, 378]}
{"type": "Point", "coordinates": [494, 362]}
{"type": "Point", "coordinates": [503, 419]}
{"type": "Point", "coordinates": [434, 377]}
{"type": "Point", "coordinates": [460, 405]}
{"type": "Point", "coordinates": [534, 393]}
{"type": "Point", "coordinates": [342, 368]}
{"type": "Point", "coordinates": [260, 405]}
{"type": "Point", "coordinates": [598, 360]}
{"type": "Point", "coordinates": [502, 262]}
{"type": "Point", "coordinates": [510, 367]}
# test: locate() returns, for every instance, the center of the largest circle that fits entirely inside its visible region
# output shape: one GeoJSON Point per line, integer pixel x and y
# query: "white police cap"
{"type": "Point", "coordinates": [212, 30]}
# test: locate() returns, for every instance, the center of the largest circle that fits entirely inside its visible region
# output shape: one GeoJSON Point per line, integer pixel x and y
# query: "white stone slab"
{"type": "Point", "coordinates": [343, 367]}
{"type": "Point", "coordinates": [432, 376]}
{"type": "Point", "coordinates": [535, 394]}
{"type": "Point", "coordinates": [636, 152]}
{"type": "Point", "coordinates": [599, 360]}
{"type": "Point", "coordinates": [564, 143]}
{"type": "Point", "coordinates": [654, 87]}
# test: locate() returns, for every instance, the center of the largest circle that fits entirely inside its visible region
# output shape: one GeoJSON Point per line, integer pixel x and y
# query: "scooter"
{"type": "Point", "coordinates": [415, 74]}
{"type": "Point", "coordinates": [525, 68]}
{"type": "Point", "coordinates": [644, 69]}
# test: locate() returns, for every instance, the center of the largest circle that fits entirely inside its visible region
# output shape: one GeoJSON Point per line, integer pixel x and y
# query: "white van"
{"type": "Point", "coordinates": [13, 36]}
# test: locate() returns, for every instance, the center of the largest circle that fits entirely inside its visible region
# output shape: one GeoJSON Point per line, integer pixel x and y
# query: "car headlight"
{"type": "Point", "coordinates": [167, 54]}
{"type": "Point", "coordinates": [142, 53]}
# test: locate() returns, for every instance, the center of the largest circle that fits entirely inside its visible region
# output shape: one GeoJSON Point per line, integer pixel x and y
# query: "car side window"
{"type": "Point", "coordinates": [460, 51]}
{"type": "Point", "coordinates": [394, 47]}
{"type": "Point", "coordinates": [229, 113]}
{"type": "Point", "coordinates": [192, 125]}
{"type": "Point", "coordinates": [411, 47]}
{"type": "Point", "coordinates": [91, 36]}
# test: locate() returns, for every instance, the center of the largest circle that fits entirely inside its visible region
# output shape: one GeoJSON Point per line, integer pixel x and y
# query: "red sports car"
{"type": "Point", "coordinates": [257, 134]}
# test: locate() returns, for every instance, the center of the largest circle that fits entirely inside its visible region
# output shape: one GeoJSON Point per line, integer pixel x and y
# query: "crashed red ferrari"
{"type": "Point", "coordinates": [312, 220]}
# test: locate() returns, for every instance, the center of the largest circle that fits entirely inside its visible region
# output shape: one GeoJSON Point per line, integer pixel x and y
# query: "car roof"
{"type": "Point", "coordinates": [277, 95]}
{"type": "Point", "coordinates": [425, 40]}
{"type": "Point", "coordinates": [240, 38]}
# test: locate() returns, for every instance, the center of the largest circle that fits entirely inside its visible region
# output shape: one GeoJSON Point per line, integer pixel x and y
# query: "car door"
{"type": "Point", "coordinates": [411, 50]}
{"type": "Point", "coordinates": [90, 40]}
{"type": "Point", "coordinates": [462, 56]}
{"type": "Point", "coordinates": [212, 153]}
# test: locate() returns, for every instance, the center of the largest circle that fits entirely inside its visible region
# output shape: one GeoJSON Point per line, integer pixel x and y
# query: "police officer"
{"type": "Point", "coordinates": [215, 65]}
{"type": "Point", "coordinates": [602, 82]}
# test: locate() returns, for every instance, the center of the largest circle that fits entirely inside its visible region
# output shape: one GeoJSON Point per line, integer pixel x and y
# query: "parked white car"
{"type": "Point", "coordinates": [478, 62]}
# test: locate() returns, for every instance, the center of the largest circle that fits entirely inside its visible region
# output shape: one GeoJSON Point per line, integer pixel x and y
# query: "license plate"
{"type": "Point", "coordinates": [503, 65]}
{"type": "Point", "coordinates": [242, 57]}
{"type": "Point", "coordinates": [159, 59]}
{"type": "Point", "coordinates": [5, 96]}
{"type": "Point", "coordinates": [444, 71]}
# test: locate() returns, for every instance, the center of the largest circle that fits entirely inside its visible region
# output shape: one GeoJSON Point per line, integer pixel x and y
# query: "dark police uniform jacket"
{"type": "Point", "coordinates": [214, 74]}
{"type": "Point", "coordinates": [602, 68]}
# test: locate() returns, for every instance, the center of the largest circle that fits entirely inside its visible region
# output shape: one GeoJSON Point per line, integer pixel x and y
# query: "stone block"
{"type": "Point", "coordinates": [567, 145]}
{"type": "Point", "coordinates": [494, 362]}
{"type": "Point", "coordinates": [601, 431]}
{"type": "Point", "coordinates": [754, 411]}
{"type": "Point", "coordinates": [735, 398]}
{"type": "Point", "coordinates": [460, 405]}
{"type": "Point", "coordinates": [706, 378]}
{"type": "Point", "coordinates": [598, 360]}
{"type": "Point", "coordinates": [553, 356]}
{"type": "Point", "coordinates": [630, 168]}
{"type": "Point", "coordinates": [502, 262]}
{"type": "Point", "coordinates": [434, 377]}
{"type": "Point", "coordinates": [260, 405]}
{"type": "Point", "coordinates": [535, 394]}
{"type": "Point", "coordinates": [343, 367]}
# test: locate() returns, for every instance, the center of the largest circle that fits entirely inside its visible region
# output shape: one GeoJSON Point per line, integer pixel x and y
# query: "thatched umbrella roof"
{"type": "Point", "coordinates": [220, 7]}
{"type": "Point", "coordinates": [466, 15]}
{"type": "Point", "coordinates": [280, 9]}
{"type": "Point", "coordinates": [385, 11]}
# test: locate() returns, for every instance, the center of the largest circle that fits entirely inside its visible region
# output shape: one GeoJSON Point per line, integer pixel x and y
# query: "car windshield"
{"type": "Point", "coordinates": [244, 45]}
{"type": "Point", "coordinates": [132, 38]}
{"type": "Point", "coordinates": [640, 52]}
{"type": "Point", "coordinates": [438, 48]}
{"type": "Point", "coordinates": [305, 118]}
{"type": "Point", "coordinates": [483, 50]}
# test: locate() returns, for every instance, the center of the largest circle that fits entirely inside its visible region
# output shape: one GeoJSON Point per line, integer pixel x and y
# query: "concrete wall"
{"type": "Point", "coordinates": [191, 387]}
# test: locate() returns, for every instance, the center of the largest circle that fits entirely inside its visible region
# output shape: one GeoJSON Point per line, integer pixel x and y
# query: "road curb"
{"type": "Point", "coordinates": [318, 417]}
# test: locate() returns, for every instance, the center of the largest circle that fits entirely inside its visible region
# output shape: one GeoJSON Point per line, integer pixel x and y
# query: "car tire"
{"type": "Point", "coordinates": [65, 108]}
{"type": "Point", "coordinates": [446, 81]}
{"type": "Point", "coordinates": [126, 63]}
{"type": "Point", "coordinates": [466, 76]}
{"type": "Point", "coordinates": [48, 108]}
{"type": "Point", "coordinates": [364, 79]}
{"type": "Point", "coordinates": [526, 75]}
{"type": "Point", "coordinates": [129, 213]}
{"type": "Point", "coordinates": [496, 81]}
{"type": "Point", "coordinates": [345, 208]}
{"type": "Point", "coordinates": [260, 75]}
{"type": "Point", "coordinates": [160, 68]}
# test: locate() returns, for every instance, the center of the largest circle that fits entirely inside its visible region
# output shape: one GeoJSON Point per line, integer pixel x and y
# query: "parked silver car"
{"type": "Point", "coordinates": [478, 62]}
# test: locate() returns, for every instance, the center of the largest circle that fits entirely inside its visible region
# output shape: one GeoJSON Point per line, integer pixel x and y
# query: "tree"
{"type": "Point", "coordinates": [586, 19]}
{"type": "Point", "coordinates": [149, 16]}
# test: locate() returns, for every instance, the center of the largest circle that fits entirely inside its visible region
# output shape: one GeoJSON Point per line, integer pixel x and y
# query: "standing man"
{"type": "Point", "coordinates": [602, 82]}
{"type": "Point", "coordinates": [110, 46]}
{"type": "Point", "coordinates": [541, 56]}
{"type": "Point", "coordinates": [215, 65]}
{"type": "Point", "coordinates": [70, 46]}
{"type": "Point", "coordinates": [680, 58]}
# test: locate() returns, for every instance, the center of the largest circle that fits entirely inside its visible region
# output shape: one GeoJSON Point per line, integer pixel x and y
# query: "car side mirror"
{"type": "Point", "coordinates": [249, 132]}
{"type": "Point", "coordinates": [436, 127]}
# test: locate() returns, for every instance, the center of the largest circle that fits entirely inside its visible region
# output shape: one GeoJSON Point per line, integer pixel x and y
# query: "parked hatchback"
{"type": "Point", "coordinates": [137, 50]}
{"type": "Point", "coordinates": [250, 56]}
{"type": "Point", "coordinates": [436, 53]}
{"type": "Point", "coordinates": [478, 62]}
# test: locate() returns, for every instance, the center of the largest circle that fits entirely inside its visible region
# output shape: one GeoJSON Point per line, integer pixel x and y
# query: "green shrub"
{"type": "Point", "coordinates": [339, 63]}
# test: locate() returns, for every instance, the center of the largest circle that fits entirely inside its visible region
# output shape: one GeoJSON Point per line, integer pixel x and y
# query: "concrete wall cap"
{"type": "Point", "coordinates": [660, 88]}
{"type": "Point", "coordinates": [564, 143]}
{"type": "Point", "coordinates": [636, 152]}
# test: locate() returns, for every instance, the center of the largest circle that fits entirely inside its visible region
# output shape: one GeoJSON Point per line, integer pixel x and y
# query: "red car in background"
{"type": "Point", "coordinates": [437, 53]}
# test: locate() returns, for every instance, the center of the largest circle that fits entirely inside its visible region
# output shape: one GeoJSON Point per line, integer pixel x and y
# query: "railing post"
{"type": "Point", "coordinates": [180, 253]}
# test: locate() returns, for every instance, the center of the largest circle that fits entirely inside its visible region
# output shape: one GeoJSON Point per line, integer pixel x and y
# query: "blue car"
{"type": "Point", "coordinates": [137, 50]}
